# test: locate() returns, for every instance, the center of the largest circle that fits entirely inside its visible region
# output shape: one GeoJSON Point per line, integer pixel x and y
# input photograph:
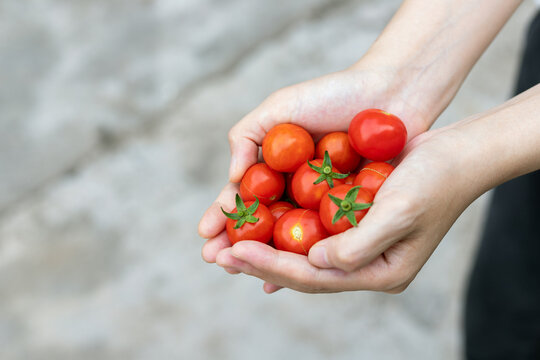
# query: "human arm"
{"type": "Point", "coordinates": [413, 70]}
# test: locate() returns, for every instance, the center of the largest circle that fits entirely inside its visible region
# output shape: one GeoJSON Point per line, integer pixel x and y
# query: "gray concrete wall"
{"type": "Point", "coordinates": [113, 140]}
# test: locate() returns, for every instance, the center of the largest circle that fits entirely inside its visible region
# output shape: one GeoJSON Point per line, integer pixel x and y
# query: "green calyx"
{"type": "Point", "coordinates": [326, 171]}
{"type": "Point", "coordinates": [348, 206]}
{"type": "Point", "coordinates": [243, 214]}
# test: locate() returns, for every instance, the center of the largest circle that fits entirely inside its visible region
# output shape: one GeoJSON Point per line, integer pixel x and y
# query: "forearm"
{"type": "Point", "coordinates": [434, 44]}
{"type": "Point", "coordinates": [502, 143]}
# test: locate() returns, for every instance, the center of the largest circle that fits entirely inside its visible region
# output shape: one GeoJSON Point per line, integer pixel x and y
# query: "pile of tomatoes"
{"type": "Point", "coordinates": [303, 192]}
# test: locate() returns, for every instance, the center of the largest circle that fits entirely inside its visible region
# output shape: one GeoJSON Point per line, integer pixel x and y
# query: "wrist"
{"type": "Point", "coordinates": [502, 143]}
{"type": "Point", "coordinates": [428, 49]}
{"type": "Point", "coordinates": [418, 103]}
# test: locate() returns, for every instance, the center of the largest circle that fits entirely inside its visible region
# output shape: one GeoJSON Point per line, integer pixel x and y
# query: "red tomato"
{"type": "Point", "coordinates": [264, 183]}
{"type": "Point", "coordinates": [307, 194]}
{"type": "Point", "coordinates": [288, 188]}
{"type": "Point", "coordinates": [297, 230]}
{"type": "Point", "coordinates": [343, 156]}
{"type": "Point", "coordinates": [279, 208]}
{"type": "Point", "coordinates": [253, 222]}
{"type": "Point", "coordinates": [377, 135]}
{"type": "Point", "coordinates": [286, 146]}
{"type": "Point", "coordinates": [372, 176]}
{"type": "Point", "coordinates": [353, 205]}
{"type": "Point", "coordinates": [350, 179]}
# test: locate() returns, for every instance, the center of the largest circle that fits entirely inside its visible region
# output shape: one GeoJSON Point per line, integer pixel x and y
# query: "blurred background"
{"type": "Point", "coordinates": [113, 141]}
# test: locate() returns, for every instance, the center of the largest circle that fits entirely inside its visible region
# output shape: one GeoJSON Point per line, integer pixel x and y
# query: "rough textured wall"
{"type": "Point", "coordinates": [113, 124]}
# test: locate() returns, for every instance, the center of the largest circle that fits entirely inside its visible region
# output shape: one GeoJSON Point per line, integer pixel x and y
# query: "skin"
{"type": "Point", "coordinates": [413, 70]}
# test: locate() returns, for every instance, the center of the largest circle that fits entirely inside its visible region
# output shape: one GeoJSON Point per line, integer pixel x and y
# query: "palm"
{"type": "Point", "coordinates": [329, 103]}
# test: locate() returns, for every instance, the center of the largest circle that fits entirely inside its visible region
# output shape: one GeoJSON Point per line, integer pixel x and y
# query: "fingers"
{"type": "Point", "coordinates": [244, 139]}
{"type": "Point", "coordinates": [383, 226]}
{"type": "Point", "coordinates": [285, 269]}
{"type": "Point", "coordinates": [213, 246]}
{"type": "Point", "coordinates": [232, 271]}
{"type": "Point", "coordinates": [213, 220]}
{"type": "Point", "coordinates": [281, 268]}
{"type": "Point", "coordinates": [227, 260]}
{"type": "Point", "coordinates": [270, 288]}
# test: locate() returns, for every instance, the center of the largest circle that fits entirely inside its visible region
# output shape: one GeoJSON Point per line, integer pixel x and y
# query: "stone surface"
{"type": "Point", "coordinates": [135, 100]}
{"type": "Point", "coordinates": [81, 74]}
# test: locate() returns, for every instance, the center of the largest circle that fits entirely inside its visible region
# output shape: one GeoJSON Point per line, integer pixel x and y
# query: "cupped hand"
{"type": "Point", "coordinates": [411, 213]}
{"type": "Point", "coordinates": [320, 106]}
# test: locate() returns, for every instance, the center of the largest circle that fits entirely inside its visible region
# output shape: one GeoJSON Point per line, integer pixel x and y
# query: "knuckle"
{"type": "Point", "coordinates": [233, 135]}
{"type": "Point", "coordinates": [276, 96]}
{"type": "Point", "coordinates": [310, 280]}
{"type": "Point", "coordinates": [397, 290]}
{"type": "Point", "coordinates": [346, 259]}
{"type": "Point", "coordinates": [404, 211]}
{"type": "Point", "coordinates": [397, 281]}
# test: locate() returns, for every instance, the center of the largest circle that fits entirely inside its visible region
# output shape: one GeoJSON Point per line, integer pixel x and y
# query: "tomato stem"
{"type": "Point", "coordinates": [326, 171]}
{"type": "Point", "coordinates": [348, 205]}
{"type": "Point", "coordinates": [243, 214]}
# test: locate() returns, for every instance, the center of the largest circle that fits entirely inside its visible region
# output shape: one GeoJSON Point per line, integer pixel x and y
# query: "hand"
{"type": "Point", "coordinates": [413, 70]}
{"type": "Point", "coordinates": [411, 213]}
{"type": "Point", "coordinates": [320, 106]}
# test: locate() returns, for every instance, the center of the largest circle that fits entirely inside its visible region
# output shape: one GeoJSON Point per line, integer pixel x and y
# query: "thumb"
{"type": "Point", "coordinates": [359, 246]}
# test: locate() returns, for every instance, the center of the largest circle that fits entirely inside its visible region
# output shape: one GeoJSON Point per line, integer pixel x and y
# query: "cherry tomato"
{"type": "Point", "coordinates": [297, 230]}
{"type": "Point", "coordinates": [350, 179]}
{"type": "Point", "coordinates": [263, 182]}
{"type": "Point", "coordinates": [343, 156]}
{"type": "Point", "coordinates": [288, 188]}
{"type": "Point", "coordinates": [343, 207]}
{"type": "Point", "coordinates": [377, 135]}
{"type": "Point", "coordinates": [279, 208]}
{"type": "Point", "coordinates": [287, 146]}
{"type": "Point", "coordinates": [372, 176]}
{"type": "Point", "coordinates": [249, 221]}
{"type": "Point", "coordinates": [312, 180]}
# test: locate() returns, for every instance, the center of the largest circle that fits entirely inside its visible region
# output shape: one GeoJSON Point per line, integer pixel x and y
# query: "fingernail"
{"type": "Point", "coordinates": [319, 257]}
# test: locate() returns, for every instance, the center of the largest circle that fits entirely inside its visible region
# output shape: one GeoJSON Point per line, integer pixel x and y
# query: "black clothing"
{"type": "Point", "coordinates": [502, 309]}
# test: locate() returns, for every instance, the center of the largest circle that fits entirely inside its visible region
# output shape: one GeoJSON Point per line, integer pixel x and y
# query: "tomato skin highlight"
{"type": "Point", "coordinates": [328, 209]}
{"type": "Point", "coordinates": [298, 230]}
{"type": "Point", "coordinates": [263, 182]}
{"type": "Point", "coordinates": [342, 154]}
{"type": "Point", "coordinates": [279, 208]}
{"type": "Point", "coordinates": [259, 231]}
{"type": "Point", "coordinates": [373, 175]}
{"type": "Point", "coordinates": [377, 135]}
{"type": "Point", "coordinates": [287, 146]}
{"type": "Point", "coordinates": [307, 194]}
